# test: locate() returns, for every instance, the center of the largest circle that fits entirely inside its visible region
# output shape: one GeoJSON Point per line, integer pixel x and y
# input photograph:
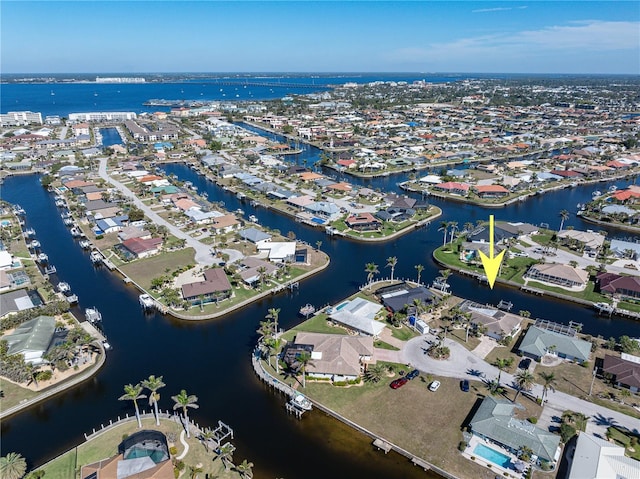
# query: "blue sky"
{"type": "Point", "coordinates": [327, 36]}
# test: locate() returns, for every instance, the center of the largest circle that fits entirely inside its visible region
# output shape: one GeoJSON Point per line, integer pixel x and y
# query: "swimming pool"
{"type": "Point", "coordinates": [5, 223]}
{"type": "Point", "coordinates": [492, 455]}
{"type": "Point", "coordinates": [342, 305]}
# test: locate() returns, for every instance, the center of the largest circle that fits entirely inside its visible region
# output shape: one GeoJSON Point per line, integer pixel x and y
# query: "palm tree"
{"type": "Point", "coordinates": [153, 384]}
{"type": "Point", "coordinates": [391, 263]}
{"type": "Point", "coordinates": [265, 329]}
{"type": "Point", "coordinates": [374, 373]}
{"type": "Point", "coordinates": [564, 216]}
{"type": "Point", "coordinates": [371, 269]}
{"type": "Point", "coordinates": [194, 471]}
{"type": "Point", "coordinates": [524, 380]}
{"type": "Point", "coordinates": [468, 227]}
{"type": "Point", "coordinates": [454, 227]}
{"type": "Point", "coordinates": [205, 436]}
{"type": "Point", "coordinates": [502, 364]}
{"type": "Point", "coordinates": [245, 469]}
{"type": "Point", "coordinates": [133, 393]}
{"type": "Point", "coordinates": [226, 455]}
{"type": "Point", "coordinates": [419, 268]}
{"type": "Point", "coordinates": [12, 466]}
{"type": "Point", "coordinates": [549, 379]}
{"type": "Point", "coordinates": [184, 401]}
{"type": "Point", "coordinates": [318, 244]}
{"type": "Point", "coordinates": [304, 359]}
{"type": "Point", "coordinates": [273, 314]}
{"type": "Point", "coordinates": [262, 274]}
{"type": "Point", "coordinates": [444, 226]}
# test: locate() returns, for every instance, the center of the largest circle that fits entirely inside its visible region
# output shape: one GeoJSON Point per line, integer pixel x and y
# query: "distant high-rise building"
{"type": "Point", "coordinates": [15, 118]}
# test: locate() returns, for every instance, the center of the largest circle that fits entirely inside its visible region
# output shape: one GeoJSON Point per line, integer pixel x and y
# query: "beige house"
{"type": "Point", "coordinates": [559, 274]}
{"type": "Point", "coordinates": [335, 356]}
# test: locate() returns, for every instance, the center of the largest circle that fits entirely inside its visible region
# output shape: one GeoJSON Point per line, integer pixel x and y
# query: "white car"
{"type": "Point", "coordinates": [434, 386]}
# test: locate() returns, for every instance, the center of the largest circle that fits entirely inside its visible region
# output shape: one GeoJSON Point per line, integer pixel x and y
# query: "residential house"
{"type": "Point", "coordinates": [561, 275]}
{"type": "Point", "coordinates": [279, 251]}
{"type": "Point", "coordinates": [110, 225]}
{"type": "Point", "coordinates": [539, 341]}
{"type": "Point", "coordinates": [255, 236]}
{"type": "Point", "coordinates": [592, 242]}
{"type": "Point", "coordinates": [498, 324]}
{"type": "Point", "coordinates": [358, 315]}
{"type": "Point", "coordinates": [18, 300]}
{"type": "Point", "coordinates": [142, 248]}
{"type": "Point", "coordinates": [253, 269]}
{"type": "Point", "coordinates": [596, 458]}
{"type": "Point", "coordinates": [363, 222]}
{"type": "Point", "coordinates": [32, 339]}
{"type": "Point", "coordinates": [129, 232]}
{"type": "Point", "coordinates": [402, 296]}
{"type": "Point", "coordinates": [215, 287]}
{"type": "Point", "coordinates": [453, 188]}
{"type": "Point", "coordinates": [335, 356]}
{"type": "Point", "coordinates": [624, 370]}
{"type": "Point", "coordinates": [625, 249]}
{"type": "Point", "coordinates": [225, 224]}
{"type": "Point", "coordinates": [615, 284]}
{"type": "Point", "coordinates": [490, 191]}
{"type": "Point", "coordinates": [494, 421]}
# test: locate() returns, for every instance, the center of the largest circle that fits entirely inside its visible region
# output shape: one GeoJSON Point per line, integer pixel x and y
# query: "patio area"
{"type": "Point", "coordinates": [502, 461]}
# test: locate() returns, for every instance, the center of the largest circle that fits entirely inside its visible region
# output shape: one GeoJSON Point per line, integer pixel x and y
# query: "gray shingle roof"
{"type": "Point", "coordinates": [537, 341]}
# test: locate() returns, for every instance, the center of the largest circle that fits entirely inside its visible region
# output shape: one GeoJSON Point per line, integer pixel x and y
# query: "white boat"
{"type": "Point", "coordinates": [92, 315]}
{"type": "Point", "coordinates": [146, 301]}
{"type": "Point", "coordinates": [71, 298]}
{"type": "Point", "coordinates": [85, 244]}
{"type": "Point", "coordinates": [42, 258]}
{"type": "Point", "coordinates": [95, 257]}
{"type": "Point", "coordinates": [307, 310]}
{"type": "Point", "coordinates": [613, 188]}
{"type": "Point", "coordinates": [29, 232]}
{"type": "Point", "coordinates": [63, 287]}
{"type": "Point", "coordinates": [34, 244]}
{"type": "Point", "coordinates": [17, 209]}
{"type": "Point", "coordinates": [60, 203]}
{"type": "Point", "coordinates": [596, 194]}
{"type": "Point", "coordinates": [240, 211]}
{"type": "Point", "coordinates": [253, 219]}
{"type": "Point", "coordinates": [106, 345]}
{"type": "Point", "coordinates": [50, 269]}
{"type": "Point", "coordinates": [76, 232]}
{"type": "Point", "coordinates": [301, 402]}
{"type": "Point", "coordinates": [68, 221]}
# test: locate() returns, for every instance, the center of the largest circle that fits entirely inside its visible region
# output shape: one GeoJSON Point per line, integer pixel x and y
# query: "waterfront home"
{"type": "Point", "coordinates": [254, 269]}
{"type": "Point", "coordinates": [470, 250]}
{"type": "Point", "coordinates": [494, 421]}
{"type": "Point", "coordinates": [32, 339]}
{"type": "Point", "coordinates": [363, 222]}
{"type": "Point", "coordinates": [591, 242]}
{"type": "Point", "coordinates": [198, 216]}
{"type": "Point", "coordinates": [625, 249]}
{"type": "Point", "coordinates": [402, 296]}
{"type": "Point", "coordinates": [621, 286]}
{"type": "Point", "coordinates": [142, 248]}
{"type": "Point", "coordinates": [225, 224]}
{"type": "Point", "coordinates": [110, 225]}
{"type": "Point", "coordinates": [214, 287]}
{"type": "Point", "coordinates": [359, 315]}
{"type": "Point", "coordinates": [279, 251]}
{"type": "Point", "coordinates": [539, 341]}
{"type": "Point", "coordinates": [453, 188]}
{"type": "Point", "coordinates": [255, 236]}
{"type": "Point", "coordinates": [498, 324]}
{"type": "Point", "coordinates": [6, 259]}
{"type": "Point", "coordinates": [490, 191]}
{"type": "Point", "coordinates": [142, 455]}
{"type": "Point", "coordinates": [561, 275]}
{"type": "Point", "coordinates": [597, 458]}
{"type": "Point", "coordinates": [624, 370]}
{"type": "Point", "coordinates": [333, 356]}
{"type": "Point", "coordinates": [18, 300]}
{"type": "Point", "coordinates": [323, 209]}
{"type": "Point", "coordinates": [131, 231]}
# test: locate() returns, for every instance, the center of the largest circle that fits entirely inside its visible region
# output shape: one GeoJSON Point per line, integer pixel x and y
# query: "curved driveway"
{"type": "Point", "coordinates": [203, 254]}
{"type": "Point", "coordinates": [464, 365]}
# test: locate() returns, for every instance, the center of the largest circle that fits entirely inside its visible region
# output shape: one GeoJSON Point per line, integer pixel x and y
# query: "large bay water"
{"type": "Point", "coordinates": [211, 359]}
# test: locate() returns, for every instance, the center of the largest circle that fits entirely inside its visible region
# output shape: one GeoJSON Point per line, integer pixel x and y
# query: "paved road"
{"type": "Point", "coordinates": [464, 365]}
{"type": "Point", "coordinates": [203, 254]}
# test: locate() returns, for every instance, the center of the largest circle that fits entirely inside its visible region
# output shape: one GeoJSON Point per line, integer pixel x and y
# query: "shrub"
{"type": "Point", "coordinates": [533, 420]}
{"type": "Point", "coordinates": [473, 458]}
{"type": "Point", "coordinates": [179, 465]}
{"type": "Point", "coordinates": [173, 450]}
{"type": "Point", "coordinates": [462, 445]}
{"type": "Point", "coordinates": [567, 431]}
{"type": "Point", "coordinates": [124, 436]}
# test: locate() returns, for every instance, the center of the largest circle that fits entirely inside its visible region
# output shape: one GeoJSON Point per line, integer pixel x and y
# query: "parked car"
{"type": "Point", "coordinates": [399, 383]}
{"type": "Point", "coordinates": [464, 385]}
{"type": "Point", "coordinates": [413, 374]}
{"type": "Point", "coordinates": [434, 386]}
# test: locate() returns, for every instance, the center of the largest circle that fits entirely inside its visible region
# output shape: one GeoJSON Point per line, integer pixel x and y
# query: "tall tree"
{"type": "Point", "coordinates": [454, 227]}
{"type": "Point", "coordinates": [371, 269]}
{"type": "Point", "coordinates": [524, 380]}
{"type": "Point", "coordinates": [153, 384]}
{"type": "Point", "coordinates": [548, 381]}
{"type": "Point", "coordinates": [419, 268]}
{"type": "Point", "coordinates": [226, 455]}
{"type": "Point", "coordinates": [185, 401]}
{"type": "Point", "coordinates": [391, 263]}
{"type": "Point", "coordinates": [273, 314]}
{"type": "Point", "coordinates": [564, 216]}
{"type": "Point", "coordinates": [444, 226]}
{"type": "Point", "coordinates": [304, 359]}
{"type": "Point", "coordinates": [502, 364]}
{"type": "Point", "coordinates": [133, 393]}
{"type": "Point", "coordinates": [245, 468]}
{"type": "Point", "coordinates": [12, 466]}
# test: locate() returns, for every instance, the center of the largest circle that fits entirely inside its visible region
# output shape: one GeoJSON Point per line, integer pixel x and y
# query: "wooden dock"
{"type": "Point", "coordinates": [383, 445]}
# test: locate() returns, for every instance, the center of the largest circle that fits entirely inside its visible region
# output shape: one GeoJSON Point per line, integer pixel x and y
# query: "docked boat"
{"type": "Point", "coordinates": [240, 196]}
{"type": "Point", "coordinates": [253, 219]}
{"type": "Point", "coordinates": [596, 194]}
{"type": "Point", "coordinates": [92, 315]}
{"type": "Point", "coordinates": [307, 310]}
{"type": "Point", "coordinates": [613, 188]}
{"type": "Point", "coordinates": [604, 307]}
{"type": "Point", "coordinates": [60, 203]}
{"type": "Point", "coordinates": [50, 269]}
{"type": "Point", "coordinates": [19, 210]}
{"type": "Point", "coordinates": [34, 244]}
{"type": "Point", "coordinates": [146, 301]}
{"type": "Point", "coordinates": [29, 232]}
{"type": "Point", "coordinates": [63, 287]}
{"type": "Point", "coordinates": [76, 232]}
{"type": "Point", "coordinates": [301, 402]}
{"type": "Point", "coordinates": [71, 298]}
{"type": "Point", "coordinates": [240, 211]}
{"type": "Point", "coordinates": [84, 244]}
{"type": "Point", "coordinates": [106, 345]}
{"type": "Point", "coordinates": [42, 258]}
{"type": "Point", "coordinates": [95, 257]}
{"type": "Point", "coordinates": [68, 222]}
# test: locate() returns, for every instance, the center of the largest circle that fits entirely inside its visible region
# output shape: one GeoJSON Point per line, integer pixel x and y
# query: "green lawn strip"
{"type": "Point", "coordinates": [409, 417]}
{"type": "Point", "coordinates": [14, 394]}
{"type": "Point", "coordinates": [616, 406]}
{"type": "Point", "coordinates": [382, 345]}
{"type": "Point", "coordinates": [634, 307]}
{"type": "Point", "coordinates": [62, 467]}
{"type": "Point", "coordinates": [403, 333]}
{"type": "Point", "coordinates": [588, 294]}
{"type": "Point", "coordinates": [143, 271]}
